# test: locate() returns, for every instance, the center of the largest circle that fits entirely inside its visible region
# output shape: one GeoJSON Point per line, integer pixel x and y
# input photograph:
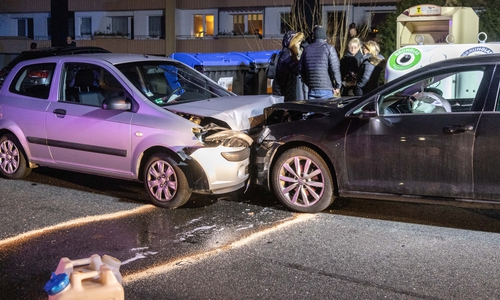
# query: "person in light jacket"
{"type": "Point", "coordinates": [371, 67]}
{"type": "Point", "coordinates": [349, 64]}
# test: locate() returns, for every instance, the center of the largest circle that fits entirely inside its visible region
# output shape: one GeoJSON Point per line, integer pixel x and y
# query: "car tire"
{"type": "Point", "coordinates": [13, 162]}
{"type": "Point", "coordinates": [165, 182]}
{"type": "Point", "coordinates": [309, 192]}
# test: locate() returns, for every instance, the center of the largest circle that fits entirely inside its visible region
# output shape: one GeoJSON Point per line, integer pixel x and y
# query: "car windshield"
{"type": "Point", "coordinates": [166, 83]}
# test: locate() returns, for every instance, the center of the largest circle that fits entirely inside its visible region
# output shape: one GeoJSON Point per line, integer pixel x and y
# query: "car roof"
{"type": "Point", "coordinates": [69, 50]}
{"type": "Point", "coordinates": [467, 60]}
{"type": "Point", "coordinates": [474, 60]}
{"type": "Point", "coordinates": [53, 51]}
{"type": "Point", "coordinates": [112, 58]}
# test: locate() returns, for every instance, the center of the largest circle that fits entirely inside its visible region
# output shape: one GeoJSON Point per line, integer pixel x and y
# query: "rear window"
{"type": "Point", "coordinates": [33, 81]}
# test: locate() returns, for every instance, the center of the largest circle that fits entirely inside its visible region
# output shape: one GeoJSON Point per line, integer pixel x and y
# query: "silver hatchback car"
{"type": "Point", "coordinates": [133, 117]}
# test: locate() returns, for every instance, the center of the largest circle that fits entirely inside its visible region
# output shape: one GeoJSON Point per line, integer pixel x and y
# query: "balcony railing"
{"type": "Point", "coordinates": [228, 36]}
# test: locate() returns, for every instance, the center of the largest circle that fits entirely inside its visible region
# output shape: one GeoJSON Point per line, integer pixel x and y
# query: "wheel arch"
{"type": "Point", "coordinates": [24, 148]}
{"type": "Point", "coordinates": [191, 169]}
{"type": "Point", "coordinates": [295, 144]}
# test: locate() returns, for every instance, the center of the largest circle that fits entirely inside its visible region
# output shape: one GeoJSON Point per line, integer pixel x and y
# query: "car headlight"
{"type": "Point", "coordinates": [237, 155]}
{"type": "Point", "coordinates": [222, 136]}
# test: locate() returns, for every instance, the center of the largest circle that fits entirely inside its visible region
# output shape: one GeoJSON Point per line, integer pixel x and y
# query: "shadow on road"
{"type": "Point", "coordinates": [426, 214]}
{"type": "Point", "coordinates": [417, 213]}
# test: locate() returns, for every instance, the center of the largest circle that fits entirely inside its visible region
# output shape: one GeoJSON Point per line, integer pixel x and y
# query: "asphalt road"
{"type": "Point", "coordinates": [244, 248]}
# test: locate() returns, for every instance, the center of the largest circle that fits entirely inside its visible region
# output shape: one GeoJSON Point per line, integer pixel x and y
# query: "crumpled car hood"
{"type": "Point", "coordinates": [308, 109]}
{"type": "Point", "coordinates": [239, 112]}
{"type": "Point", "coordinates": [319, 104]}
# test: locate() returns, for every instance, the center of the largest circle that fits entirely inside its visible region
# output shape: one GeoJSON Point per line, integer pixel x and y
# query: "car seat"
{"type": "Point", "coordinates": [86, 91]}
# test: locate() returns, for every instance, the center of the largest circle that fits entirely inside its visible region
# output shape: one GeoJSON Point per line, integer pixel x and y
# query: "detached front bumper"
{"type": "Point", "coordinates": [263, 152]}
{"type": "Point", "coordinates": [226, 168]}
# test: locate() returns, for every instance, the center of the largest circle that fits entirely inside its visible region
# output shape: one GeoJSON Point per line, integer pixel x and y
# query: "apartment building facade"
{"type": "Point", "coordinates": [161, 27]}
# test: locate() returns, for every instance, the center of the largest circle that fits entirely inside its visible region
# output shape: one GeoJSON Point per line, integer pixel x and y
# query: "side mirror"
{"type": "Point", "coordinates": [363, 115]}
{"type": "Point", "coordinates": [367, 111]}
{"type": "Point", "coordinates": [367, 114]}
{"type": "Point", "coordinates": [117, 103]}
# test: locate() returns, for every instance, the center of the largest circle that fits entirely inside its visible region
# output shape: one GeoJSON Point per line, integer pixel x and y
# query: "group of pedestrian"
{"type": "Point", "coordinates": [313, 70]}
{"type": "Point", "coordinates": [69, 43]}
{"type": "Point", "coordinates": [361, 76]}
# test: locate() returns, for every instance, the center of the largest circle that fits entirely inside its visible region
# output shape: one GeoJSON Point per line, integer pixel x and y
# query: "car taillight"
{"type": "Point", "coordinates": [39, 74]}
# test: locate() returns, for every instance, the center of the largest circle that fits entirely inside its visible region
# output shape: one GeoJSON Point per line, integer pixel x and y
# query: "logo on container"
{"type": "Point", "coordinates": [476, 51]}
{"type": "Point", "coordinates": [405, 58]}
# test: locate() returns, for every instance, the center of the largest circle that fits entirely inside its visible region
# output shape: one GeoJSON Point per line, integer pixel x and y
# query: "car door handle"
{"type": "Point", "coordinates": [60, 112]}
{"type": "Point", "coordinates": [458, 129]}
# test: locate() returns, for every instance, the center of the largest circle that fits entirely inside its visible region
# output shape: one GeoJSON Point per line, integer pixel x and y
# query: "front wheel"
{"type": "Point", "coordinates": [302, 181]}
{"type": "Point", "coordinates": [13, 162]}
{"type": "Point", "coordinates": [165, 182]}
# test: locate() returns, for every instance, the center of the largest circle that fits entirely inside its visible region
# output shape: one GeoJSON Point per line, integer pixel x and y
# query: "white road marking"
{"type": "Point", "coordinates": [179, 262]}
{"type": "Point", "coordinates": [72, 223]}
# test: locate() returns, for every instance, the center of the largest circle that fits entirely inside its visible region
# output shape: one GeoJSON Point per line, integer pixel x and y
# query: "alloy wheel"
{"type": "Point", "coordinates": [9, 157]}
{"type": "Point", "coordinates": [301, 181]}
{"type": "Point", "coordinates": [162, 181]}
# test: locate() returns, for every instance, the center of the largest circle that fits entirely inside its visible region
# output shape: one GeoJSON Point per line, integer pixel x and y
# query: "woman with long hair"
{"type": "Point", "coordinates": [371, 67]}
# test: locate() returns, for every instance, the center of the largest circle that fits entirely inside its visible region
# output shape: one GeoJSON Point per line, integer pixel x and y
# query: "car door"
{"type": "Point", "coordinates": [420, 142]}
{"type": "Point", "coordinates": [83, 136]}
{"type": "Point", "coordinates": [486, 161]}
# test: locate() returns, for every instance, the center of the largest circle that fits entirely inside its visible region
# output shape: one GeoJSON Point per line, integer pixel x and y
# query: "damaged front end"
{"type": "Point", "coordinates": [213, 135]}
{"type": "Point", "coordinates": [223, 155]}
{"type": "Point", "coordinates": [284, 123]}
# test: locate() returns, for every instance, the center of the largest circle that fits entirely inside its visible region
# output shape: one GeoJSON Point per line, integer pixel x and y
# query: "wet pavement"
{"type": "Point", "coordinates": [338, 257]}
{"type": "Point", "coordinates": [247, 247]}
{"type": "Point", "coordinates": [55, 214]}
{"type": "Point", "coordinates": [142, 240]}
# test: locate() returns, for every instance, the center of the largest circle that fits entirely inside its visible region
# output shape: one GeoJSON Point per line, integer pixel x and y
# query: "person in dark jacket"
{"type": "Point", "coordinates": [320, 67]}
{"type": "Point", "coordinates": [70, 42]}
{"type": "Point", "coordinates": [287, 82]}
{"type": "Point", "coordinates": [349, 64]}
{"type": "Point", "coordinates": [370, 69]}
{"type": "Point", "coordinates": [353, 31]}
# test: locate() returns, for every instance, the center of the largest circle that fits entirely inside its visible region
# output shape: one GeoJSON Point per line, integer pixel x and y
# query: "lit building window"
{"type": "Point", "coordinates": [239, 24]}
{"type": "Point", "coordinates": [255, 23]}
{"type": "Point", "coordinates": [203, 25]}
{"type": "Point", "coordinates": [209, 24]}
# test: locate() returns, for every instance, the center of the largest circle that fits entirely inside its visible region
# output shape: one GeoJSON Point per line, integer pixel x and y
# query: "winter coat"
{"type": "Point", "coordinates": [320, 67]}
{"type": "Point", "coordinates": [349, 65]}
{"type": "Point", "coordinates": [369, 74]}
{"type": "Point", "coordinates": [287, 82]}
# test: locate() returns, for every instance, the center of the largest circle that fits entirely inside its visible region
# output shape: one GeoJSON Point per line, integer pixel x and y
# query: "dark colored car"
{"type": "Point", "coordinates": [429, 136]}
{"type": "Point", "coordinates": [46, 52]}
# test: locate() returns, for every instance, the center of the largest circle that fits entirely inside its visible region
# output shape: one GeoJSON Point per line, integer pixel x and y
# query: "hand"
{"type": "Point", "coordinates": [336, 92]}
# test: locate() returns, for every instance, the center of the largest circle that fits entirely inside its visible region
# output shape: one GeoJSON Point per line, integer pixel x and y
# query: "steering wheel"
{"type": "Point", "coordinates": [402, 106]}
{"type": "Point", "coordinates": [431, 98]}
{"type": "Point", "coordinates": [174, 96]}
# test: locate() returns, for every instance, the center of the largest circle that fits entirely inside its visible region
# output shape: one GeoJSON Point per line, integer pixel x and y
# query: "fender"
{"type": "Point", "coordinates": [9, 126]}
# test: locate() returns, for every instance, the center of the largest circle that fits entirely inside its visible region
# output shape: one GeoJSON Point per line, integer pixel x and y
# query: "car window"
{"type": "Point", "coordinates": [497, 106]}
{"type": "Point", "coordinates": [439, 93]}
{"type": "Point", "coordinates": [88, 84]}
{"type": "Point", "coordinates": [33, 81]}
{"type": "Point", "coordinates": [166, 83]}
